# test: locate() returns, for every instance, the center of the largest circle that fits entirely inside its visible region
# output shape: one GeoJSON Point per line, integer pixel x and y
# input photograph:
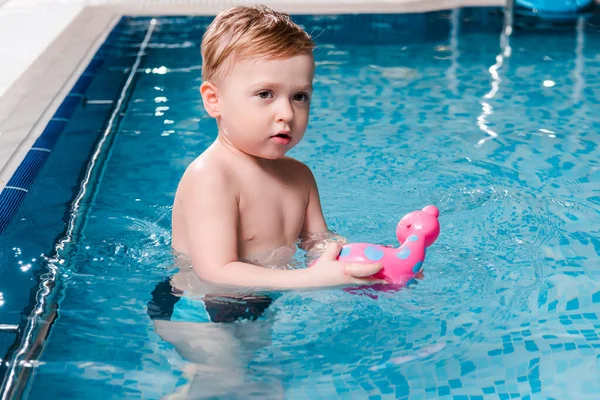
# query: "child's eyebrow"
{"type": "Point", "coordinates": [275, 85]}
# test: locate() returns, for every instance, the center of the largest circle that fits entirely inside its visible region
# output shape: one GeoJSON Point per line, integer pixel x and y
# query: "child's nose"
{"type": "Point", "coordinates": [285, 112]}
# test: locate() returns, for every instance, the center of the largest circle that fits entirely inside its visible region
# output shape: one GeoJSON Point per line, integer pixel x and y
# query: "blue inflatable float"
{"type": "Point", "coordinates": [554, 8]}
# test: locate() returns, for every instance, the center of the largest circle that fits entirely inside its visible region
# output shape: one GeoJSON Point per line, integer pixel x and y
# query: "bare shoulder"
{"type": "Point", "coordinates": [296, 168]}
{"type": "Point", "coordinates": [205, 175]}
{"type": "Point", "coordinates": [205, 190]}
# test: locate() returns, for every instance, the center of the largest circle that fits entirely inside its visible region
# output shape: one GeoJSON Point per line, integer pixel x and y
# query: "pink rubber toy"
{"type": "Point", "coordinates": [416, 231]}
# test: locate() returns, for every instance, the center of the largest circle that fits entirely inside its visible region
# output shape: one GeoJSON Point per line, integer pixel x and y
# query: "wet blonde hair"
{"type": "Point", "coordinates": [250, 31]}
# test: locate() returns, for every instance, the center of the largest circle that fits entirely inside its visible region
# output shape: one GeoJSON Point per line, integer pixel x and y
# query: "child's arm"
{"type": "Point", "coordinates": [211, 213]}
{"type": "Point", "coordinates": [314, 222]}
{"type": "Point", "coordinates": [315, 236]}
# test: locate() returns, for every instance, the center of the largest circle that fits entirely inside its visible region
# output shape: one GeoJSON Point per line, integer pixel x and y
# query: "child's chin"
{"type": "Point", "coordinates": [272, 155]}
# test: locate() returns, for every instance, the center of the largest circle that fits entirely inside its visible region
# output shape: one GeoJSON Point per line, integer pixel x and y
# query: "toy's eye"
{"type": "Point", "coordinates": [408, 226]}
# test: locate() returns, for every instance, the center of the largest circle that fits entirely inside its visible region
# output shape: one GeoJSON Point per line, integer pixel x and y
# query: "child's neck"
{"type": "Point", "coordinates": [224, 143]}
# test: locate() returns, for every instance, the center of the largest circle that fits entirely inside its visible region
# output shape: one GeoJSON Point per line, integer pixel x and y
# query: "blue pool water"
{"type": "Point", "coordinates": [408, 110]}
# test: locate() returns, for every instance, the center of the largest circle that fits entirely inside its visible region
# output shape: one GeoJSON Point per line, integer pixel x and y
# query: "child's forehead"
{"type": "Point", "coordinates": [257, 68]}
{"type": "Point", "coordinates": [262, 60]}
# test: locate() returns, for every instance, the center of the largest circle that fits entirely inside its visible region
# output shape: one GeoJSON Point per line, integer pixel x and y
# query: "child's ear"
{"type": "Point", "coordinates": [210, 98]}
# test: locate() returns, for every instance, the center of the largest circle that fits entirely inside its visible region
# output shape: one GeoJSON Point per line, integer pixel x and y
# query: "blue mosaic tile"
{"type": "Point", "coordinates": [342, 390]}
{"type": "Point", "coordinates": [508, 349]}
{"type": "Point", "coordinates": [455, 383]}
{"type": "Point", "coordinates": [459, 331]}
{"type": "Point", "coordinates": [443, 390]}
{"type": "Point", "coordinates": [534, 374]}
{"type": "Point", "coordinates": [493, 353]}
{"type": "Point", "coordinates": [574, 273]}
{"type": "Point", "coordinates": [488, 390]}
{"type": "Point", "coordinates": [386, 390]}
{"type": "Point", "coordinates": [531, 346]}
{"type": "Point", "coordinates": [536, 385]}
{"type": "Point", "coordinates": [573, 304]}
{"type": "Point", "coordinates": [367, 386]}
{"type": "Point", "coordinates": [466, 367]}
{"type": "Point", "coordinates": [570, 346]}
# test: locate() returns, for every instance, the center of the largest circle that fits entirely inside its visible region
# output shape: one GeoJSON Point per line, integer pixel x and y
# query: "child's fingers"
{"type": "Point", "coordinates": [362, 270]}
{"type": "Point", "coordinates": [332, 251]}
{"type": "Point", "coordinates": [369, 281]}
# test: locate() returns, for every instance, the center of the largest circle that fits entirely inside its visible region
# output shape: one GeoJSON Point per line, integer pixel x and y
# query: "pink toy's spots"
{"type": "Point", "coordinates": [415, 231]}
{"type": "Point", "coordinates": [403, 253]}
{"type": "Point", "coordinates": [374, 253]}
{"type": "Point", "coordinates": [345, 252]}
{"type": "Point", "coordinates": [417, 267]}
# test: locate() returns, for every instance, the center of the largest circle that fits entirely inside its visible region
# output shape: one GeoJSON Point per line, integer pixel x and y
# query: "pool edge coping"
{"type": "Point", "coordinates": [30, 103]}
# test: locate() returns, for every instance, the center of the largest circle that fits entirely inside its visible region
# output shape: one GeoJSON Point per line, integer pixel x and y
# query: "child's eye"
{"type": "Point", "coordinates": [265, 95]}
{"type": "Point", "coordinates": [301, 97]}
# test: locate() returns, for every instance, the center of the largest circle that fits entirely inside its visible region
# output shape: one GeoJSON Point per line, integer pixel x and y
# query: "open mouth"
{"type": "Point", "coordinates": [282, 138]}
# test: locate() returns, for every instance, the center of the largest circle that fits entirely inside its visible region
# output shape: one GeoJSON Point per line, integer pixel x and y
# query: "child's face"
{"type": "Point", "coordinates": [263, 105]}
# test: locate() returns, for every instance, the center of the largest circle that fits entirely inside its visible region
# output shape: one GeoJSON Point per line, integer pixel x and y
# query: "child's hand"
{"type": "Point", "coordinates": [331, 272]}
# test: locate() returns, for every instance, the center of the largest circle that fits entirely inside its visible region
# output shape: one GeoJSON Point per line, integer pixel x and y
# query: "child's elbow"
{"type": "Point", "coordinates": [210, 273]}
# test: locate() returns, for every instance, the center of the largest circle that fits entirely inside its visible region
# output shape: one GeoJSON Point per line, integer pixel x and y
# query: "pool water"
{"type": "Point", "coordinates": [408, 110]}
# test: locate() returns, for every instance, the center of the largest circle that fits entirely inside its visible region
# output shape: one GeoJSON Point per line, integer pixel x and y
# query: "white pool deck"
{"type": "Point", "coordinates": [45, 44]}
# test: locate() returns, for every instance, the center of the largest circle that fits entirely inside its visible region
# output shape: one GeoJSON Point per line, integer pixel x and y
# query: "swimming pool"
{"type": "Point", "coordinates": [408, 110]}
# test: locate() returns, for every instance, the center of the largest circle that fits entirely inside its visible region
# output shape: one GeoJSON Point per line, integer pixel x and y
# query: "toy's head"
{"type": "Point", "coordinates": [423, 223]}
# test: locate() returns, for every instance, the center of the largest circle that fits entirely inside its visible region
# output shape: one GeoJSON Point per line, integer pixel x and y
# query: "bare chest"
{"type": "Point", "coordinates": [270, 216]}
